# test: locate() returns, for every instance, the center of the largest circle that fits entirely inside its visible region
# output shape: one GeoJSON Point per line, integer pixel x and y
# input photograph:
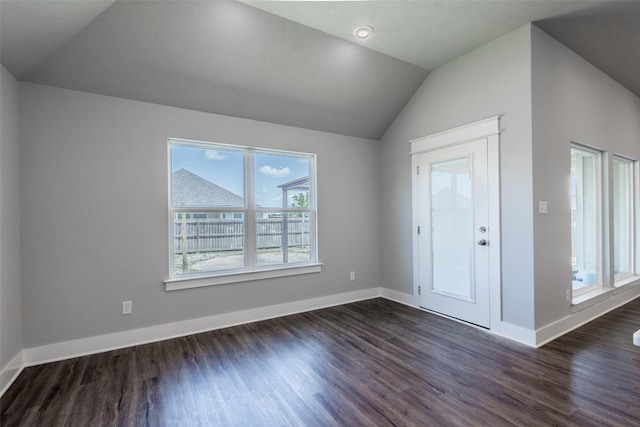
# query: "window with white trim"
{"type": "Point", "coordinates": [602, 261]}
{"type": "Point", "coordinates": [623, 219]}
{"type": "Point", "coordinates": [586, 208]}
{"type": "Point", "coordinates": [236, 210]}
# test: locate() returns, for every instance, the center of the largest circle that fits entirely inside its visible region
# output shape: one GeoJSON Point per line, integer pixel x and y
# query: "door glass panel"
{"type": "Point", "coordinates": [452, 227]}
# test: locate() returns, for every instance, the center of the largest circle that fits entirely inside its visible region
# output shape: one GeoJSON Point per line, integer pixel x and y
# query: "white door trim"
{"type": "Point", "coordinates": [489, 129]}
{"type": "Point", "coordinates": [483, 128]}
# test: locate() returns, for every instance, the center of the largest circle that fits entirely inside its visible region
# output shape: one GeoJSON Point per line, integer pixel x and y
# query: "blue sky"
{"type": "Point", "coordinates": [226, 169]}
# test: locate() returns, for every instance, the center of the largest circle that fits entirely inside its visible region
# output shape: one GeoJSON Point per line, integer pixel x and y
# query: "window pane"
{"type": "Point", "coordinates": [207, 241]}
{"type": "Point", "coordinates": [269, 238]}
{"type": "Point", "coordinates": [280, 179]}
{"type": "Point", "coordinates": [584, 217]}
{"type": "Point", "coordinates": [299, 237]}
{"type": "Point", "coordinates": [622, 217]}
{"type": "Point", "coordinates": [204, 177]}
{"type": "Point", "coordinates": [283, 238]}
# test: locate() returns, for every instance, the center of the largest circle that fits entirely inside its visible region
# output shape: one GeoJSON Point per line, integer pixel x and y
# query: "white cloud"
{"type": "Point", "coordinates": [275, 172]}
{"type": "Point", "coordinates": [214, 155]}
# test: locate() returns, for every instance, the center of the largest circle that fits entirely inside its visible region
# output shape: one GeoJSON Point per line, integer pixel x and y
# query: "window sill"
{"type": "Point", "coordinates": [627, 281]}
{"type": "Point", "coordinates": [588, 299]}
{"type": "Point", "coordinates": [179, 283]}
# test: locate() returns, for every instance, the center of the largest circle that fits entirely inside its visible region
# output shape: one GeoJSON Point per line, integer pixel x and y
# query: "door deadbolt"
{"type": "Point", "coordinates": [483, 229]}
{"type": "Point", "coordinates": [483, 242]}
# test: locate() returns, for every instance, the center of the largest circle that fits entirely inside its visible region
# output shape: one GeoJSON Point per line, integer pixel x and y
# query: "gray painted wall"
{"type": "Point", "coordinates": [10, 290]}
{"type": "Point", "coordinates": [95, 221]}
{"type": "Point", "coordinates": [491, 80]}
{"type": "Point", "coordinates": [572, 100]}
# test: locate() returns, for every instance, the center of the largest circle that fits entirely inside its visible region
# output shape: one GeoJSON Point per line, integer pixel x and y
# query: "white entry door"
{"type": "Point", "coordinates": [453, 235]}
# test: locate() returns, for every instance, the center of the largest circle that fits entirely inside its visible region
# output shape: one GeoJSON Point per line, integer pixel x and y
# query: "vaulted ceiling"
{"type": "Point", "coordinates": [289, 62]}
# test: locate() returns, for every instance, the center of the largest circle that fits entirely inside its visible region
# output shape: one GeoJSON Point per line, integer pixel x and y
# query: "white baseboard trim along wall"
{"type": "Point", "coordinates": [101, 343]}
{"type": "Point", "coordinates": [400, 297]}
{"type": "Point", "coordinates": [11, 371]}
{"type": "Point", "coordinates": [98, 344]}
{"type": "Point", "coordinates": [504, 329]}
{"type": "Point", "coordinates": [560, 327]}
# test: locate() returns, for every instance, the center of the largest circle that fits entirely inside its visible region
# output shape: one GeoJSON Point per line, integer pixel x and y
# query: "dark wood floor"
{"type": "Point", "coordinates": [372, 363]}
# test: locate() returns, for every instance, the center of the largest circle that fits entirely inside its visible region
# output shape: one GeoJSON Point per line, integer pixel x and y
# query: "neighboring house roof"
{"type": "Point", "coordinates": [189, 189]}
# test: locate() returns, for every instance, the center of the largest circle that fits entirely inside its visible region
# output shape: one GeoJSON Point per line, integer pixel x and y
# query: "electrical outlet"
{"type": "Point", "coordinates": [568, 295]}
{"type": "Point", "coordinates": [127, 307]}
{"type": "Point", "coordinates": [352, 275]}
{"type": "Point", "coordinates": [543, 207]}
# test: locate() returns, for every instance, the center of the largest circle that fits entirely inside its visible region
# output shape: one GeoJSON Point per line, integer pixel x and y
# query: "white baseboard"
{"type": "Point", "coordinates": [504, 329]}
{"type": "Point", "coordinates": [107, 342]}
{"type": "Point", "coordinates": [401, 297]}
{"type": "Point", "coordinates": [515, 333]}
{"type": "Point", "coordinates": [11, 371]}
{"type": "Point", "coordinates": [538, 338]}
{"type": "Point", "coordinates": [567, 324]}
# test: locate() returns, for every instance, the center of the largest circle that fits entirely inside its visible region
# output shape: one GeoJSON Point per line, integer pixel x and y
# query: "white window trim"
{"type": "Point", "coordinates": [632, 276]}
{"type": "Point", "coordinates": [199, 281]}
{"type": "Point", "coordinates": [610, 285]}
{"type": "Point", "coordinates": [253, 272]}
{"type": "Point", "coordinates": [596, 296]}
{"type": "Point", "coordinates": [600, 285]}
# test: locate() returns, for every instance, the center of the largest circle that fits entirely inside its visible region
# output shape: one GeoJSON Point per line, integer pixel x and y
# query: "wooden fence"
{"type": "Point", "coordinates": [212, 235]}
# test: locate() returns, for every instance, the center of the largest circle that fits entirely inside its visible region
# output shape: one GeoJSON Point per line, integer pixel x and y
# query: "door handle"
{"type": "Point", "coordinates": [483, 242]}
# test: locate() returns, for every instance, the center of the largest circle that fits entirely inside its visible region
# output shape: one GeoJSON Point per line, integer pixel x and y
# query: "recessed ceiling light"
{"type": "Point", "coordinates": [363, 32]}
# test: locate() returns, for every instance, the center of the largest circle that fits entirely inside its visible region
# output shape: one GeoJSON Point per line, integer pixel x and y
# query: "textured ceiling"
{"type": "Point", "coordinates": [289, 62]}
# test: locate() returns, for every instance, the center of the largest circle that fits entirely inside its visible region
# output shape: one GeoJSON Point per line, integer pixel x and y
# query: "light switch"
{"type": "Point", "coordinates": [542, 206]}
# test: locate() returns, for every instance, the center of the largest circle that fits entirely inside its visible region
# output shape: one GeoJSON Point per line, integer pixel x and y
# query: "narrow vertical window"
{"type": "Point", "coordinates": [585, 219]}
{"type": "Point", "coordinates": [623, 215]}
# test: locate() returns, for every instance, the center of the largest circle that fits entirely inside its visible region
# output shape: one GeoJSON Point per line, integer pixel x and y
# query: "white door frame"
{"type": "Point", "coordinates": [489, 129]}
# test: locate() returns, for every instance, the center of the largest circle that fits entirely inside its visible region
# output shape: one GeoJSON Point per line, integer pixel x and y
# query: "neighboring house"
{"type": "Point", "coordinates": [189, 189]}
